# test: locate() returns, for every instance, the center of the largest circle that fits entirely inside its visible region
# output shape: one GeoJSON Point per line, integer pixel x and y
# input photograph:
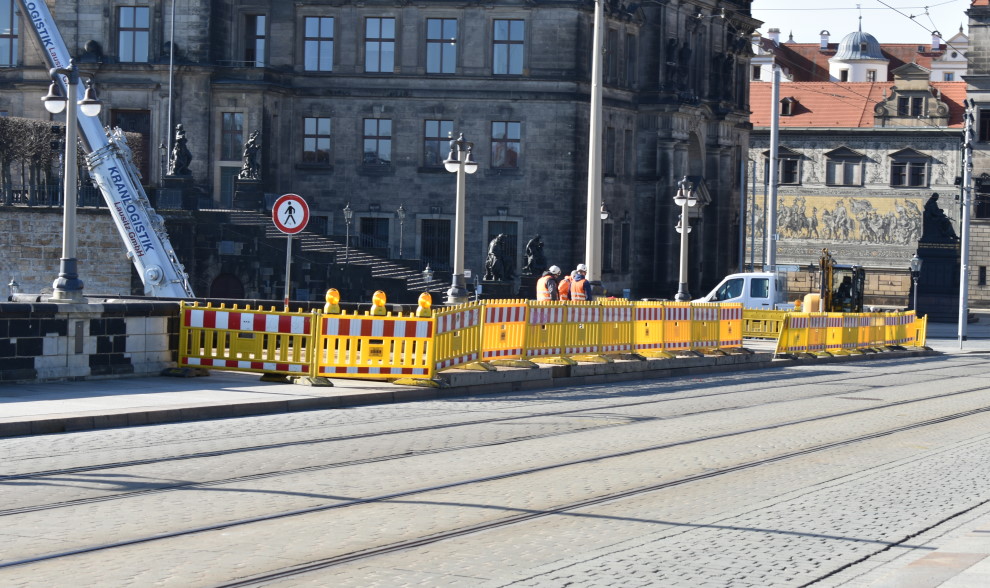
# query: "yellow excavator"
{"type": "Point", "coordinates": [841, 287]}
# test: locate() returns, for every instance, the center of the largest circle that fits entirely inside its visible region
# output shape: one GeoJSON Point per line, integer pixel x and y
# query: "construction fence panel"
{"type": "Point", "coordinates": [582, 328]}
{"type": "Point", "coordinates": [458, 336]}
{"type": "Point", "coordinates": [375, 347]}
{"type": "Point", "coordinates": [920, 330]}
{"type": "Point", "coordinates": [504, 329]}
{"type": "Point", "coordinates": [617, 331]}
{"type": "Point", "coordinates": [794, 334]}
{"type": "Point", "coordinates": [898, 328]}
{"type": "Point", "coordinates": [545, 329]}
{"type": "Point", "coordinates": [705, 325]}
{"type": "Point", "coordinates": [764, 324]}
{"type": "Point", "coordinates": [648, 326]}
{"type": "Point", "coordinates": [817, 332]}
{"type": "Point", "coordinates": [730, 331]}
{"type": "Point", "coordinates": [246, 340]}
{"type": "Point", "coordinates": [677, 326]}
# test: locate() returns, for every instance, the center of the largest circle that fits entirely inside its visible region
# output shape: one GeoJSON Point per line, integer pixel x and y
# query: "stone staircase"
{"type": "Point", "coordinates": [311, 242]}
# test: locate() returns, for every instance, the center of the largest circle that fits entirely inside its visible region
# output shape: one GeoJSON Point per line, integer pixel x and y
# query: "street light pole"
{"type": "Point", "coordinates": [68, 287]}
{"type": "Point", "coordinates": [459, 161]}
{"type": "Point", "coordinates": [684, 198]}
{"type": "Point", "coordinates": [348, 215]}
{"type": "Point", "coordinates": [401, 213]}
{"type": "Point", "coordinates": [592, 241]}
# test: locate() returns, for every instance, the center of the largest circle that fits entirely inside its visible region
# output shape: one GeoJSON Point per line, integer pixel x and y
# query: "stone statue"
{"type": "Point", "coordinates": [250, 168]}
{"type": "Point", "coordinates": [535, 260]}
{"type": "Point", "coordinates": [498, 267]}
{"type": "Point", "coordinates": [181, 157]}
{"type": "Point", "coordinates": [936, 227]}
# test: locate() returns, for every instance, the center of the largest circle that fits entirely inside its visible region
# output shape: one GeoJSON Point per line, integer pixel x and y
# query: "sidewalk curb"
{"type": "Point", "coordinates": [455, 384]}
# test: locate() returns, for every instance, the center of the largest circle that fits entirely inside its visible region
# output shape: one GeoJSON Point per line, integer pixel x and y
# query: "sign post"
{"type": "Point", "coordinates": [291, 215]}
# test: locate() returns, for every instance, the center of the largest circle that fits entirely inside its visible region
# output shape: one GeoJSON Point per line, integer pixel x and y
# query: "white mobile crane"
{"type": "Point", "coordinates": [110, 164]}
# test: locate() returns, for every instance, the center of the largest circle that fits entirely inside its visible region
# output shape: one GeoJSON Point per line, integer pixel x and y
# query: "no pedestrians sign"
{"type": "Point", "coordinates": [290, 213]}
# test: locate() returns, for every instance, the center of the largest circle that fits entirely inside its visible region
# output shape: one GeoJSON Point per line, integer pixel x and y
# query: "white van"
{"type": "Point", "coordinates": [755, 290]}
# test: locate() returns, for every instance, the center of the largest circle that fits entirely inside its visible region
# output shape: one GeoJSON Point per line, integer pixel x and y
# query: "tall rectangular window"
{"type": "Point", "coordinates": [609, 166]}
{"type": "Point", "coordinates": [254, 40]}
{"type": "Point", "coordinates": [505, 144]}
{"type": "Point", "coordinates": [231, 136]}
{"type": "Point", "coordinates": [318, 43]}
{"type": "Point", "coordinates": [608, 249]}
{"type": "Point", "coordinates": [9, 23]}
{"type": "Point", "coordinates": [316, 140]}
{"type": "Point", "coordinates": [871, 75]}
{"type": "Point", "coordinates": [441, 45]}
{"type": "Point", "coordinates": [628, 154]}
{"type": "Point", "coordinates": [379, 45]}
{"type": "Point", "coordinates": [949, 76]}
{"type": "Point", "coordinates": [508, 42]}
{"type": "Point", "coordinates": [436, 141]}
{"type": "Point", "coordinates": [631, 53]}
{"type": "Point", "coordinates": [984, 116]}
{"type": "Point", "coordinates": [134, 33]}
{"type": "Point", "coordinates": [625, 252]}
{"type": "Point", "coordinates": [377, 141]}
{"type": "Point", "coordinates": [611, 56]}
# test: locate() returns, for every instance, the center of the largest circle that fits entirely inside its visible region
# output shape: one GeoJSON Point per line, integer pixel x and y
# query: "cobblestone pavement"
{"type": "Point", "coordinates": [822, 515]}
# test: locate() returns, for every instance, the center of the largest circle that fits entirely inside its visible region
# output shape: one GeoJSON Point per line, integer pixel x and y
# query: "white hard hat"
{"type": "Point", "coordinates": [582, 268]}
{"type": "Point", "coordinates": [554, 270]}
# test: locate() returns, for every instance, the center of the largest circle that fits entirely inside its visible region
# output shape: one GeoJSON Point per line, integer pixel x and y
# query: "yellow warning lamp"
{"type": "Point", "coordinates": [378, 303]}
{"type": "Point", "coordinates": [333, 302]}
{"type": "Point", "coordinates": [425, 302]}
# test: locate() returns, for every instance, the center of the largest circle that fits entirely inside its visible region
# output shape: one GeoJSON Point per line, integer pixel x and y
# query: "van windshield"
{"type": "Point", "coordinates": [731, 289]}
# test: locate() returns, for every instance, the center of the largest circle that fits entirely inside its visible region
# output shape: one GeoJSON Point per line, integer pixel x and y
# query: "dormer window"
{"type": "Point", "coordinates": [844, 75]}
{"type": "Point", "coordinates": [788, 166]}
{"type": "Point", "coordinates": [871, 75]}
{"type": "Point", "coordinates": [910, 105]}
{"type": "Point", "coordinates": [787, 106]}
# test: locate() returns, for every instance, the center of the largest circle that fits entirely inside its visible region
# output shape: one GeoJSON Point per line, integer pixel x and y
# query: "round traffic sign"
{"type": "Point", "coordinates": [290, 213]}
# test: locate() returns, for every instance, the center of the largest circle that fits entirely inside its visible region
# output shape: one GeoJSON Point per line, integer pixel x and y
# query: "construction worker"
{"type": "Point", "coordinates": [564, 287]}
{"type": "Point", "coordinates": [546, 286]}
{"type": "Point", "coordinates": [580, 287]}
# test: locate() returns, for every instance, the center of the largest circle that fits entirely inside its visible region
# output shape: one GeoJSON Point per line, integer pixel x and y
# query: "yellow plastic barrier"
{"type": "Point", "coordinates": [544, 329]}
{"type": "Point", "coordinates": [458, 336]}
{"type": "Point", "coordinates": [648, 327]}
{"type": "Point", "coordinates": [765, 324]}
{"type": "Point", "coordinates": [375, 347]}
{"type": "Point", "coordinates": [920, 329]}
{"type": "Point", "coordinates": [504, 329]}
{"type": "Point", "coordinates": [705, 325]}
{"type": "Point", "coordinates": [616, 335]}
{"type": "Point", "coordinates": [794, 334]}
{"type": "Point", "coordinates": [730, 321]}
{"type": "Point", "coordinates": [677, 333]}
{"type": "Point", "coordinates": [246, 340]}
{"type": "Point", "coordinates": [582, 328]}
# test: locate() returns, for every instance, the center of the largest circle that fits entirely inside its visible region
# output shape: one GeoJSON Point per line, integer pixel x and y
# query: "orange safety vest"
{"type": "Point", "coordinates": [543, 287]}
{"type": "Point", "coordinates": [577, 290]}
{"type": "Point", "coordinates": [564, 288]}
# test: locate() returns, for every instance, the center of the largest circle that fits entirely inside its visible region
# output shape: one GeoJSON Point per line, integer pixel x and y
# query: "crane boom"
{"type": "Point", "coordinates": [111, 165]}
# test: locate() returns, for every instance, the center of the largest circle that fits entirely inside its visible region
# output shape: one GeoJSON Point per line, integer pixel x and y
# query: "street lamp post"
{"type": "Point", "coordinates": [915, 274]}
{"type": "Point", "coordinates": [461, 162]}
{"type": "Point", "coordinates": [68, 287]}
{"type": "Point", "coordinates": [348, 215]}
{"type": "Point", "coordinates": [401, 213]}
{"type": "Point", "coordinates": [684, 198]}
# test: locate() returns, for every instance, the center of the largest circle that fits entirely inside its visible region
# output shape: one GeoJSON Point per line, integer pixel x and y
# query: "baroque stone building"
{"type": "Point", "coordinates": [353, 103]}
{"type": "Point", "coordinates": [857, 162]}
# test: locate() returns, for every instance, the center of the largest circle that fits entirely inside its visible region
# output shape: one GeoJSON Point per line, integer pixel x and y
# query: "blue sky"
{"type": "Point", "coordinates": [887, 20]}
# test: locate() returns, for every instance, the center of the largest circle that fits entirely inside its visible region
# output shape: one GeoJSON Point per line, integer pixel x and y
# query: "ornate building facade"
{"type": "Point", "coordinates": [354, 103]}
{"type": "Point", "coordinates": [857, 162]}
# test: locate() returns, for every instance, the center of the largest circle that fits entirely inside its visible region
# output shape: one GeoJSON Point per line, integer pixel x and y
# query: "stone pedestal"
{"type": "Point", "coordinates": [491, 290]}
{"type": "Point", "coordinates": [527, 287]}
{"type": "Point", "coordinates": [938, 283]}
{"type": "Point", "coordinates": [248, 195]}
{"type": "Point", "coordinates": [179, 188]}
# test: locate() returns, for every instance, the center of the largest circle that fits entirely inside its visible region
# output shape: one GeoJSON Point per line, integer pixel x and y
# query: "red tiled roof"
{"type": "Point", "coordinates": [807, 62]}
{"type": "Point", "coordinates": [839, 105]}
{"type": "Point", "coordinates": [981, 3]}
